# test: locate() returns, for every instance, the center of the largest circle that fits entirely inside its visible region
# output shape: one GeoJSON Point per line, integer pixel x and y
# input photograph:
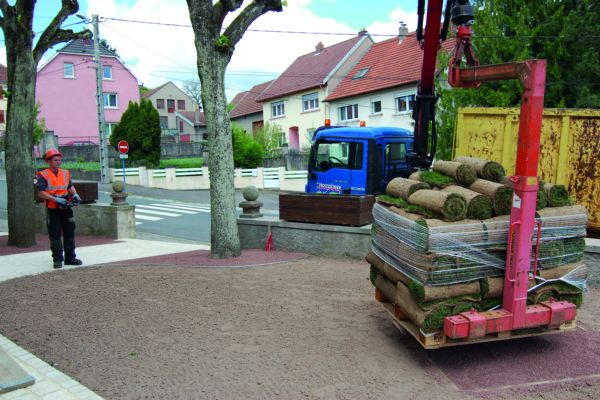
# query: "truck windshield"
{"type": "Point", "coordinates": [341, 155]}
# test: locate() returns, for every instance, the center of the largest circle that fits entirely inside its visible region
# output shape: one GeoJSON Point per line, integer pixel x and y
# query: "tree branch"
{"type": "Point", "coordinates": [236, 29]}
{"type": "Point", "coordinates": [53, 34]}
{"type": "Point", "coordinates": [222, 8]}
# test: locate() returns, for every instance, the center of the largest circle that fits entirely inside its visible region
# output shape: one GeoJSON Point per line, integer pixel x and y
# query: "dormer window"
{"type": "Point", "coordinates": [360, 74]}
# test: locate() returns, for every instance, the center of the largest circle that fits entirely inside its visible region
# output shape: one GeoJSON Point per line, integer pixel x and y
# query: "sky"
{"type": "Point", "coordinates": [147, 37]}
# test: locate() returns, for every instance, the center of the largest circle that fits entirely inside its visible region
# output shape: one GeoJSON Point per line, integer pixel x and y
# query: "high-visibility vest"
{"type": "Point", "coordinates": [57, 184]}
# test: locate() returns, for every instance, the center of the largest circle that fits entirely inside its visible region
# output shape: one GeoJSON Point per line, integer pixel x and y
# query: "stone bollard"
{"type": "Point", "coordinates": [119, 196]}
{"type": "Point", "coordinates": [250, 207]}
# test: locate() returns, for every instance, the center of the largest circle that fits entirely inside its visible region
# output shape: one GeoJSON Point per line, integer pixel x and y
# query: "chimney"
{"type": "Point", "coordinates": [319, 47]}
{"type": "Point", "coordinates": [402, 32]}
{"type": "Point", "coordinates": [362, 32]}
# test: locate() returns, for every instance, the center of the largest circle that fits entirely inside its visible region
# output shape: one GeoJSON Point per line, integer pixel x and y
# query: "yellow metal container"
{"type": "Point", "coordinates": [569, 148]}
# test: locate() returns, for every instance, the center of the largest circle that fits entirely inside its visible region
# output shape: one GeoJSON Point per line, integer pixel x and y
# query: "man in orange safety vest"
{"type": "Point", "coordinates": [54, 185]}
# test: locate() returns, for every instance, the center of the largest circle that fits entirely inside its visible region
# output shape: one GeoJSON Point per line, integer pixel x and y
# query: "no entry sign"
{"type": "Point", "coordinates": [123, 147]}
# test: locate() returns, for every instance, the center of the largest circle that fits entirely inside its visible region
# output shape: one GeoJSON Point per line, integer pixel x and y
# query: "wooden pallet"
{"type": "Point", "coordinates": [439, 339]}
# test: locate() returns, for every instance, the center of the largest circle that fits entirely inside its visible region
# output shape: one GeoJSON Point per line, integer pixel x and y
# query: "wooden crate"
{"type": "Point", "coordinates": [339, 209]}
{"type": "Point", "coordinates": [88, 191]}
{"type": "Point", "coordinates": [439, 339]}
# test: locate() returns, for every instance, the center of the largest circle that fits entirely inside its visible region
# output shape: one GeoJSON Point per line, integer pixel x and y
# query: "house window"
{"type": "Point", "coordinates": [310, 132]}
{"type": "Point", "coordinates": [405, 102]}
{"type": "Point", "coordinates": [171, 106]}
{"type": "Point", "coordinates": [348, 112]}
{"type": "Point", "coordinates": [108, 128]}
{"type": "Point", "coordinates": [2, 120]}
{"type": "Point", "coordinates": [164, 122]}
{"type": "Point", "coordinates": [160, 104]}
{"type": "Point", "coordinates": [310, 102]}
{"type": "Point", "coordinates": [361, 73]}
{"type": "Point", "coordinates": [107, 72]}
{"type": "Point", "coordinates": [110, 100]}
{"type": "Point", "coordinates": [376, 105]}
{"type": "Point", "coordinates": [181, 104]}
{"type": "Point", "coordinates": [277, 109]}
{"type": "Point", "coordinates": [1, 92]}
{"type": "Point", "coordinates": [180, 126]}
{"type": "Point", "coordinates": [69, 69]}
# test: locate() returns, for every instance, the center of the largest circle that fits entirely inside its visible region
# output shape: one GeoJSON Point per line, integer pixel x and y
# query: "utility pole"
{"type": "Point", "coordinates": [103, 148]}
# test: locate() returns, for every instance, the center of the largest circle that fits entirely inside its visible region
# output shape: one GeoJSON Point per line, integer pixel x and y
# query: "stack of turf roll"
{"type": "Point", "coordinates": [439, 243]}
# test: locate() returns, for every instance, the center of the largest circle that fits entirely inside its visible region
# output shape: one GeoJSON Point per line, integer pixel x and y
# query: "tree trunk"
{"type": "Point", "coordinates": [224, 240]}
{"type": "Point", "coordinates": [214, 49]}
{"type": "Point", "coordinates": [20, 172]}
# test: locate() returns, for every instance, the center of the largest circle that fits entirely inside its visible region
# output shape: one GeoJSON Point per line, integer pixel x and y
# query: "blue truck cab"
{"type": "Point", "coordinates": [353, 160]}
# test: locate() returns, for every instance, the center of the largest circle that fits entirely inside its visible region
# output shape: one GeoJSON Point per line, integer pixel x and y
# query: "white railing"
{"type": "Point", "coordinates": [128, 172]}
{"type": "Point", "coordinates": [246, 173]}
{"type": "Point", "coordinates": [188, 171]}
{"type": "Point", "coordinates": [199, 178]}
{"type": "Point", "coordinates": [296, 174]}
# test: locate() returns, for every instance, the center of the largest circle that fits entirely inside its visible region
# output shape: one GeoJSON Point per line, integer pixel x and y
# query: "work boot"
{"type": "Point", "coordinates": [73, 261]}
{"type": "Point", "coordinates": [57, 264]}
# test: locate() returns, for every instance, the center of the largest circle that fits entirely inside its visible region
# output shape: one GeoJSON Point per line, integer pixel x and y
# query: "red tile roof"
{"type": "Point", "coordinates": [246, 101]}
{"type": "Point", "coordinates": [310, 70]}
{"type": "Point", "coordinates": [191, 116]}
{"type": "Point", "coordinates": [390, 64]}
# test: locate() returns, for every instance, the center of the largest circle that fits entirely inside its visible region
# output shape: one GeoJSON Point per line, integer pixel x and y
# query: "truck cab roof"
{"type": "Point", "coordinates": [343, 132]}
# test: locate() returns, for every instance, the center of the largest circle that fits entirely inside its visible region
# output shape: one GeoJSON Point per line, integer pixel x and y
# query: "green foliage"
{"type": "Point", "coordinates": [140, 128]}
{"type": "Point", "coordinates": [269, 137]}
{"type": "Point", "coordinates": [223, 44]}
{"type": "Point", "coordinates": [39, 125]}
{"type": "Point", "coordinates": [182, 163]}
{"type": "Point", "coordinates": [562, 32]}
{"type": "Point", "coordinates": [83, 166]}
{"type": "Point", "coordinates": [247, 152]}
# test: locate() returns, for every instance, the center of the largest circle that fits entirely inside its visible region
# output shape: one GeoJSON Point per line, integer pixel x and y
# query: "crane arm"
{"type": "Point", "coordinates": [461, 13]}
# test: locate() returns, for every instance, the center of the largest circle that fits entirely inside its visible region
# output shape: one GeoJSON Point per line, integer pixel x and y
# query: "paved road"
{"type": "Point", "coordinates": [178, 214]}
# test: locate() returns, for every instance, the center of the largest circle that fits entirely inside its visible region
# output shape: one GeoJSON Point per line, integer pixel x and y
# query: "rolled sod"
{"type": "Point", "coordinates": [479, 206]}
{"type": "Point", "coordinates": [403, 188]}
{"type": "Point", "coordinates": [463, 173]}
{"type": "Point", "coordinates": [500, 194]}
{"type": "Point", "coordinates": [558, 195]}
{"type": "Point", "coordinates": [451, 205]}
{"type": "Point", "coordinates": [485, 169]}
{"type": "Point", "coordinates": [434, 178]}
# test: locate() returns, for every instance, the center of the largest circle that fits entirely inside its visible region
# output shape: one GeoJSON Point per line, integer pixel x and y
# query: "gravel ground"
{"type": "Point", "coordinates": [309, 328]}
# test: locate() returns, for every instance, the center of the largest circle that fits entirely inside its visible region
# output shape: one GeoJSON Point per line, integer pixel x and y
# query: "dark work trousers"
{"type": "Point", "coordinates": [61, 222]}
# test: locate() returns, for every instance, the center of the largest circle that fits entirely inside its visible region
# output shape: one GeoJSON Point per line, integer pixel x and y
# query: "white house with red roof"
{"type": "Point", "coordinates": [294, 101]}
{"type": "Point", "coordinates": [173, 106]}
{"type": "Point", "coordinates": [247, 112]}
{"type": "Point", "coordinates": [381, 88]}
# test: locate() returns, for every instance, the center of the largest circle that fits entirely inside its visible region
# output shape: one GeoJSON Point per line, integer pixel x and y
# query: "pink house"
{"type": "Point", "coordinates": [66, 89]}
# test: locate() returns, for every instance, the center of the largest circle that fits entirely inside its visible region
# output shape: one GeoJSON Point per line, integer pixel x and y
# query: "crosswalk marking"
{"type": "Point", "coordinates": [157, 211]}
{"type": "Point", "coordinates": [146, 217]}
{"type": "Point", "coordinates": [179, 207]}
{"type": "Point", "coordinates": [144, 209]}
{"type": "Point", "coordinates": [168, 208]}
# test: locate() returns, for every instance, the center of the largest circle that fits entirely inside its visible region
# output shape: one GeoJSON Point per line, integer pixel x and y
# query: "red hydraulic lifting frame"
{"type": "Point", "coordinates": [515, 313]}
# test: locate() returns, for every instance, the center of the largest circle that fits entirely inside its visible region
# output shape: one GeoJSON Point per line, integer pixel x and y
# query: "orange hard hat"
{"type": "Point", "coordinates": [50, 153]}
